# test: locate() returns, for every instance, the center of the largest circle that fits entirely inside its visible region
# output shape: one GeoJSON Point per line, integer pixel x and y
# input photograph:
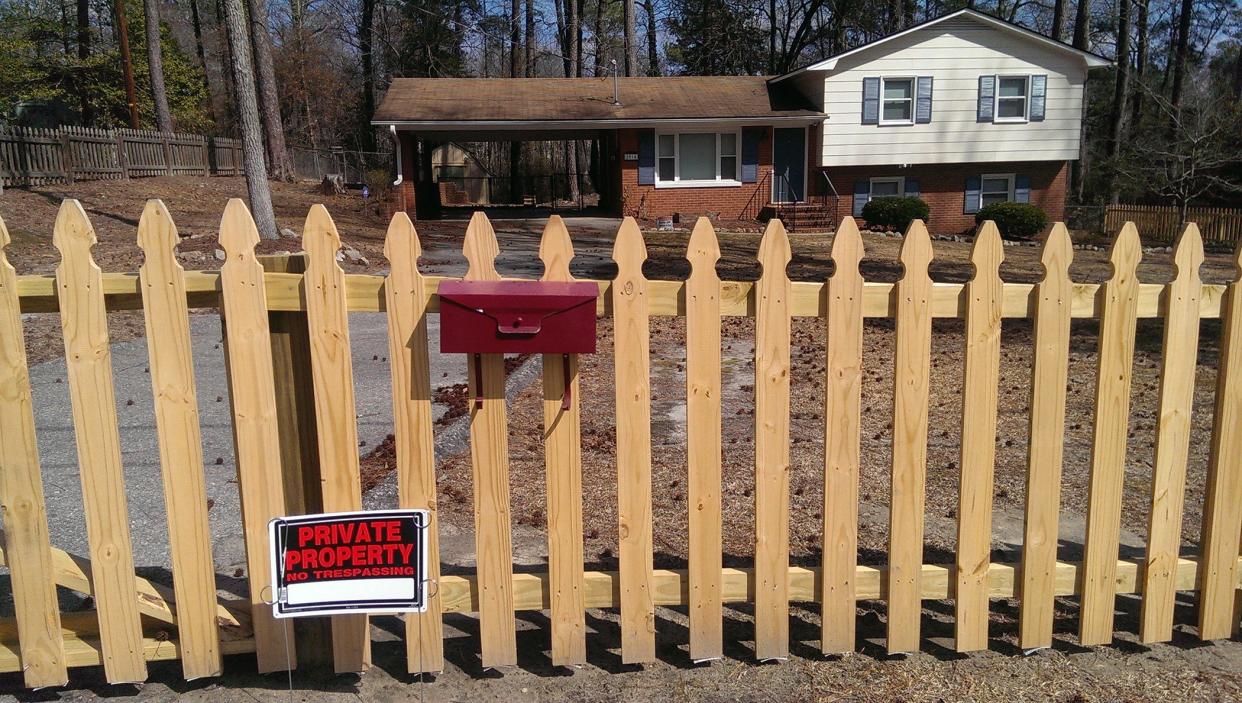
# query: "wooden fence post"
{"type": "Point", "coordinates": [27, 542]}
{"type": "Point", "coordinates": [703, 457]}
{"type": "Point", "coordinates": [1118, 301]}
{"type": "Point", "coordinates": [327, 313]}
{"type": "Point", "coordinates": [632, 357]}
{"type": "Point", "coordinates": [911, 378]}
{"type": "Point", "coordinates": [122, 157]}
{"type": "Point", "coordinates": [297, 436]}
{"type": "Point", "coordinates": [66, 152]}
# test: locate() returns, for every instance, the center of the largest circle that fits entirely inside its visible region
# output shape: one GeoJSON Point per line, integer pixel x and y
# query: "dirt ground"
{"type": "Point", "coordinates": [1127, 671]}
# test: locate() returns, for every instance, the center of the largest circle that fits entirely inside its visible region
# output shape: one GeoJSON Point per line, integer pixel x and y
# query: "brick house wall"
{"type": "Point", "coordinates": [731, 202]}
{"type": "Point", "coordinates": [943, 187]}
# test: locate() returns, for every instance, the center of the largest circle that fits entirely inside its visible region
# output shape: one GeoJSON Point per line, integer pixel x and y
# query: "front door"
{"type": "Point", "coordinates": [788, 164]}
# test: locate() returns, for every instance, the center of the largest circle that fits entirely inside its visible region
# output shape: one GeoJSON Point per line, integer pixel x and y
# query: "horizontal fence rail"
{"type": "Point", "coordinates": [136, 621]}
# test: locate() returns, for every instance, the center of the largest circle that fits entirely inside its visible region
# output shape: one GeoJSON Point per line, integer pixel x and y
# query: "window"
{"type": "Point", "coordinates": [995, 188]}
{"type": "Point", "coordinates": [1011, 98]}
{"type": "Point", "coordinates": [887, 187]}
{"type": "Point", "coordinates": [698, 159]}
{"type": "Point", "coordinates": [898, 107]}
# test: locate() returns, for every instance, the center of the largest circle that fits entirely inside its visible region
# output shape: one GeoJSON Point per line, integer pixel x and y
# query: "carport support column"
{"type": "Point", "coordinates": [299, 447]}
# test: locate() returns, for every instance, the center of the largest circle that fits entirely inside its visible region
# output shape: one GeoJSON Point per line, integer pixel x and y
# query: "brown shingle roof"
{"type": "Point", "coordinates": [542, 99]}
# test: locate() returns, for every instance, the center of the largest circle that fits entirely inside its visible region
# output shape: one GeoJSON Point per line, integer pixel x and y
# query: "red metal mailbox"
{"type": "Point", "coordinates": [518, 317]}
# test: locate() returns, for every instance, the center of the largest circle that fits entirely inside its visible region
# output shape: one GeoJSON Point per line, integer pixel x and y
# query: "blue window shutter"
{"type": "Point", "coordinates": [862, 193]}
{"type": "Point", "coordinates": [1021, 189]}
{"type": "Point", "coordinates": [987, 96]}
{"type": "Point", "coordinates": [923, 105]}
{"type": "Point", "coordinates": [974, 187]}
{"type": "Point", "coordinates": [912, 188]}
{"type": "Point", "coordinates": [646, 157]}
{"type": "Point", "coordinates": [1039, 96]}
{"type": "Point", "coordinates": [751, 136]}
{"type": "Point", "coordinates": [871, 101]}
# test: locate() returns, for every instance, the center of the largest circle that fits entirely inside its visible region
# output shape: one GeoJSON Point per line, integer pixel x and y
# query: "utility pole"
{"type": "Point", "coordinates": [131, 93]}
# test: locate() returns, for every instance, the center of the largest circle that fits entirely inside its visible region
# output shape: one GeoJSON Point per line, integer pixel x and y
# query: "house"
{"type": "Point", "coordinates": [962, 110]}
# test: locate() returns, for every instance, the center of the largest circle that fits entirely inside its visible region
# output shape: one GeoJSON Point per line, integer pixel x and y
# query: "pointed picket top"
{"type": "Point", "coordinates": [1125, 254]}
{"type": "Point", "coordinates": [916, 250]}
{"type": "Point", "coordinates": [401, 240]}
{"type": "Point", "coordinates": [73, 230]}
{"type": "Point", "coordinates": [629, 250]}
{"type": "Point", "coordinates": [238, 233]}
{"type": "Point", "coordinates": [988, 252]}
{"type": "Point", "coordinates": [703, 250]}
{"type": "Point", "coordinates": [157, 233]}
{"type": "Point", "coordinates": [480, 249]}
{"type": "Point", "coordinates": [556, 250]}
{"type": "Point", "coordinates": [847, 248]}
{"type": "Point", "coordinates": [319, 236]}
{"type": "Point", "coordinates": [774, 251]}
{"type": "Point", "coordinates": [1057, 253]}
{"type": "Point", "coordinates": [1188, 255]}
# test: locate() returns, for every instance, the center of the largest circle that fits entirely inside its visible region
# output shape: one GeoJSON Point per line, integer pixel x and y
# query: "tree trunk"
{"type": "Point", "coordinates": [771, 36]}
{"type": "Point", "coordinates": [155, 62]}
{"type": "Point", "coordinates": [597, 31]}
{"type": "Point", "coordinates": [515, 40]}
{"type": "Point", "coordinates": [366, 53]}
{"type": "Point", "coordinates": [230, 93]}
{"type": "Point", "coordinates": [529, 40]}
{"type": "Point", "coordinates": [573, 37]}
{"type": "Point", "coordinates": [1058, 20]}
{"type": "Point", "coordinates": [269, 99]}
{"type": "Point", "coordinates": [653, 46]}
{"type": "Point", "coordinates": [127, 62]}
{"type": "Point", "coordinates": [1182, 53]}
{"type": "Point", "coordinates": [84, 53]}
{"type": "Point", "coordinates": [248, 117]}
{"type": "Point", "coordinates": [1117, 116]}
{"type": "Point", "coordinates": [562, 36]}
{"type": "Point", "coordinates": [1237, 76]}
{"type": "Point", "coordinates": [631, 48]}
{"type": "Point", "coordinates": [1082, 28]}
{"type": "Point", "coordinates": [201, 53]}
{"type": "Point", "coordinates": [1140, 66]}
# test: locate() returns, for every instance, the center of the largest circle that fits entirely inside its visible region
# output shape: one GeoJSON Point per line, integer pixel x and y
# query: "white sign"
{"type": "Point", "coordinates": [361, 562]}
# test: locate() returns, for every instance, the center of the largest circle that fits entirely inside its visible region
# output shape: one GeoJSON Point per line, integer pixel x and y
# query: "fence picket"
{"type": "Point", "coordinates": [984, 296]}
{"type": "Point", "coordinates": [632, 358]}
{"type": "Point", "coordinates": [563, 460]}
{"type": "Point", "coordinates": [252, 392]}
{"type": "Point", "coordinates": [88, 357]}
{"type": "Point", "coordinates": [406, 298]}
{"type": "Point", "coordinates": [327, 314]}
{"type": "Point", "coordinates": [1049, 377]}
{"type": "Point", "coordinates": [1119, 297]}
{"type": "Point", "coordinates": [27, 541]}
{"type": "Point", "coordinates": [912, 362]}
{"type": "Point", "coordinates": [181, 452]}
{"type": "Point", "coordinates": [772, 361]}
{"type": "Point", "coordinates": [1222, 511]}
{"type": "Point", "coordinates": [1177, 386]}
{"type": "Point", "coordinates": [489, 455]}
{"type": "Point", "coordinates": [842, 456]}
{"type": "Point", "coordinates": [703, 422]}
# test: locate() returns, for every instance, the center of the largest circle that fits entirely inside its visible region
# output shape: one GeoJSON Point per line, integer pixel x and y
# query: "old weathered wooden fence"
{"type": "Point", "coordinates": [275, 365]}
{"type": "Point", "coordinates": [32, 156]}
{"type": "Point", "coordinates": [1162, 223]}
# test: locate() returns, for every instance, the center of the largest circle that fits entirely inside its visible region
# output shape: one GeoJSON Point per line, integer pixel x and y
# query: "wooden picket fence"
{"type": "Point", "coordinates": [1162, 223]}
{"type": "Point", "coordinates": [32, 156]}
{"type": "Point", "coordinates": [135, 621]}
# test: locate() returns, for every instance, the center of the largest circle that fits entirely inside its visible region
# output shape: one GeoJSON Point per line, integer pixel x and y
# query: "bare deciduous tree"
{"type": "Point", "coordinates": [155, 63]}
{"type": "Point", "coordinates": [248, 119]}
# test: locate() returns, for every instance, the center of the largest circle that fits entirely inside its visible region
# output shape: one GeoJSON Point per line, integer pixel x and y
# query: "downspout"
{"type": "Point", "coordinates": [396, 141]}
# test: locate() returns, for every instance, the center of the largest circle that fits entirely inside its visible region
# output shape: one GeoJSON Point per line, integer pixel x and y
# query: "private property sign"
{"type": "Point", "coordinates": [362, 562]}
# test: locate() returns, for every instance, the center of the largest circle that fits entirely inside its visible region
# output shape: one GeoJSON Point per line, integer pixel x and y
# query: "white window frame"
{"type": "Point", "coordinates": [1026, 100]}
{"type": "Point", "coordinates": [1009, 195]}
{"type": "Point", "coordinates": [899, 180]}
{"type": "Point", "coordinates": [721, 180]}
{"type": "Point", "coordinates": [914, 86]}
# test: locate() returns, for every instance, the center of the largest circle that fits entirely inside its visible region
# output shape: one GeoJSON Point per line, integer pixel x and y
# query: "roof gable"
{"type": "Point", "coordinates": [966, 18]}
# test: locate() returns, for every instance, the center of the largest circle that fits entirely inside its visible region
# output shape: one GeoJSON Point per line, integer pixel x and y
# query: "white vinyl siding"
{"type": "Point", "coordinates": [955, 56]}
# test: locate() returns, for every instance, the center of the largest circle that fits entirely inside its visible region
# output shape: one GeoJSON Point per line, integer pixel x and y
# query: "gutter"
{"type": "Point", "coordinates": [459, 125]}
